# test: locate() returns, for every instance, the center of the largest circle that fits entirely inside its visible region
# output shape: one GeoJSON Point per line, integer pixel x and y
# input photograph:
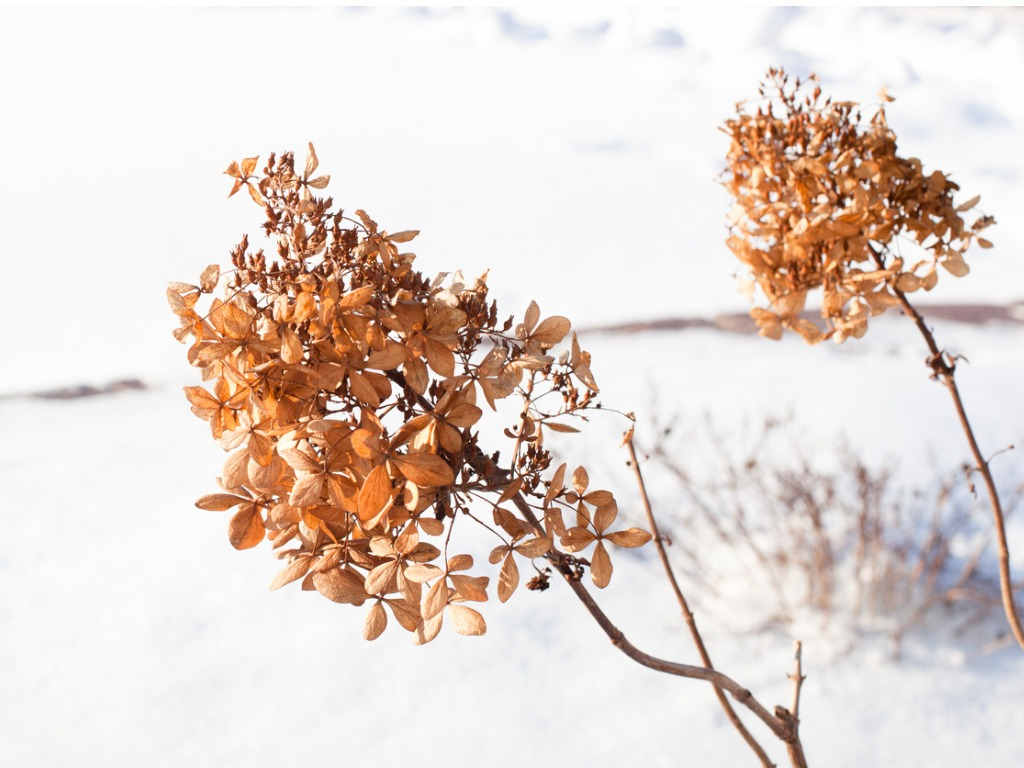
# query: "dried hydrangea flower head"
{"type": "Point", "coordinates": [346, 386]}
{"type": "Point", "coordinates": [823, 200]}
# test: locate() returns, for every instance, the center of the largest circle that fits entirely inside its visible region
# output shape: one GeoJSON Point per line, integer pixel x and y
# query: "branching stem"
{"type": "Point", "coordinates": [691, 622]}
{"type": "Point", "coordinates": [781, 724]}
{"type": "Point", "coordinates": [946, 371]}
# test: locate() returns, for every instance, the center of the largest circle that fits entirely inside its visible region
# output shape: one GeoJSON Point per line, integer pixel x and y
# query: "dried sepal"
{"type": "Point", "coordinates": [508, 579]}
{"type": "Point", "coordinates": [466, 621]}
{"type": "Point", "coordinates": [600, 566]}
{"type": "Point", "coordinates": [376, 622]}
{"type": "Point", "coordinates": [296, 569]}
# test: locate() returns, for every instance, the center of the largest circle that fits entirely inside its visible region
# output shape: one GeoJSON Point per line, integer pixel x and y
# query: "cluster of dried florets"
{"type": "Point", "coordinates": [823, 200]}
{"type": "Point", "coordinates": [345, 385]}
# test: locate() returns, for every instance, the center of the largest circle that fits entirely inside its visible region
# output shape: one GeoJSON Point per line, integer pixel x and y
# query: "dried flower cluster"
{"type": "Point", "coordinates": [823, 200]}
{"type": "Point", "coordinates": [346, 386]}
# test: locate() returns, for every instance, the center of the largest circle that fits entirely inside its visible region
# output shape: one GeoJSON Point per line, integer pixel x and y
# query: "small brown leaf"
{"type": "Point", "coordinates": [531, 317]}
{"type": "Point", "coordinates": [296, 569]}
{"type": "Point", "coordinates": [246, 528]}
{"type": "Point", "coordinates": [357, 297]}
{"type": "Point", "coordinates": [311, 161]}
{"type": "Point", "coordinates": [556, 484]}
{"type": "Point", "coordinates": [429, 629]}
{"type": "Point", "coordinates": [376, 622]}
{"type": "Point", "coordinates": [470, 587]}
{"type": "Point", "coordinates": [966, 206]}
{"type": "Point", "coordinates": [631, 537]}
{"type": "Point", "coordinates": [600, 566]}
{"type": "Point", "coordinates": [379, 580]}
{"type": "Point", "coordinates": [466, 620]}
{"type": "Point", "coordinates": [422, 573]}
{"type": "Point", "coordinates": [460, 563]}
{"type": "Point", "coordinates": [427, 470]}
{"type": "Point", "coordinates": [375, 493]}
{"type": "Point", "coordinates": [436, 599]}
{"type": "Point", "coordinates": [551, 331]}
{"type": "Point", "coordinates": [577, 538]}
{"type": "Point", "coordinates": [440, 358]}
{"type": "Point", "coordinates": [580, 480]}
{"type": "Point", "coordinates": [291, 347]}
{"type": "Point", "coordinates": [404, 613]}
{"type": "Point", "coordinates": [955, 265]}
{"type": "Point", "coordinates": [605, 516]}
{"type": "Point", "coordinates": [208, 279]}
{"type": "Point", "coordinates": [508, 579]}
{"type": "Point", "coordinates": [535, 547]}
{"type": "Point", "coordinates": [554, 426]}
{"type": "Point", "coordinates": [218, 502]}
{"type": "Point", "coordinates": [341, 586]}
{"type": "Point", "coordinates": [511, 490]}
{"type": "Point", "coordinates": [236, 470]}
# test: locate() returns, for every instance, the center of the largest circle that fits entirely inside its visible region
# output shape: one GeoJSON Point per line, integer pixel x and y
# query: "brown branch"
{"type": "Point", "coordinates": [946, 372]}
{"type": "Point", "coordinates": [563, 563]}
{"type": "Point", "coordinates": [781, 726]}
{"type": "Point", "coordinates": [691, 622]}
{"type": "Point", "coordinates": [796, 750]}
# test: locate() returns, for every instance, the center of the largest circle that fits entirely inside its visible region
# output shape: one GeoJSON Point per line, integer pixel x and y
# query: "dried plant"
{"type": "Point", "coordinates": [824, 201]}
{"type": "Point", "coordinates": [345, 385]}
{"type": "Point", "coordinates": [818, 195]}
{"type": "Point", "coordinates": [841, 541]}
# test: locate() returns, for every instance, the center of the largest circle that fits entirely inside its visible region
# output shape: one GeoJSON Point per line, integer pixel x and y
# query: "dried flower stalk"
{"type": "Point", "coordinates": [363, 480]}
{"type": "Point", "coordinates": [814, 189]}
{"type": "Point", "coordinates": [822, 202]}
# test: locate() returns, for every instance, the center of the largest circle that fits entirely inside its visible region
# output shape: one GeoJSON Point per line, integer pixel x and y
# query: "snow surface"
{"type": "Point", "coordinates": [575, 155]}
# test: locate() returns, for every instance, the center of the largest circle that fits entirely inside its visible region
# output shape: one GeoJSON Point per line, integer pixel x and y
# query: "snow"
{"type": "Point", "coordinates": [575, 155]}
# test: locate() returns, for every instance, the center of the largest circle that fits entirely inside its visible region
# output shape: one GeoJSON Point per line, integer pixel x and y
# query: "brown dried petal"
{"type": "Point", "coordinates": [381, 579]}
{"type": "Point", "coordinates": [508, 579]}
{"type": "Point", "coordinates": [296, 569]}
{"type": "Point", "coordinates": [246, 528]}
{"type": "Point", "coordinates": [551, 331]}
{"type": "Point", "coordinates": [376, 622]}
{"type": "Point", "coordinates": [466, 621]}
{"type": "Point", "coordinates": [218, 502]}
{"type": "Point", "coordinates": [436, 599]}
{"type": "Point", "coordinates": [341, 585]}
{"type": "Point", "coordinates": [427, 470]}
{"type": "Point", "coordinates": [600, 566]}
{"type": "Point", "coordinates": [630, 537]}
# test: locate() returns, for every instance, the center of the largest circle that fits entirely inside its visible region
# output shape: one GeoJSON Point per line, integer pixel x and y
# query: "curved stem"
{"type": "Point", "coordinates": [781, 724]}
{"type": "Point", "coordinates": [691, 622]}
{"type": "Point", "coordinates": [778, 725]}
{"type": "Point", "coordinates": [946, 372]}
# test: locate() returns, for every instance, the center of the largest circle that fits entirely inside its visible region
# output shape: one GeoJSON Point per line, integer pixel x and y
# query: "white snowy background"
{"type": "Point", "coordinates": [573, 154]}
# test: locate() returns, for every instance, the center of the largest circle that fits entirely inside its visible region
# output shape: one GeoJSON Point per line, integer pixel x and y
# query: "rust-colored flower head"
{"type": "Point", "coordinates": [823, 200]}
{"type": "Point", "coordinates": [346, 384]}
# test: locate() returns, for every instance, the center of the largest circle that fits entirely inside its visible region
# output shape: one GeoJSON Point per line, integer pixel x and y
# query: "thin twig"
{"type": "Point", "coordinates": [796, 750]}
{"type": "Point", "coordinates": [798, 678]}
{"type": "Point", "coordinates": [691, 622]}
{"type": "Point", "coordinates": [946, 371]}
